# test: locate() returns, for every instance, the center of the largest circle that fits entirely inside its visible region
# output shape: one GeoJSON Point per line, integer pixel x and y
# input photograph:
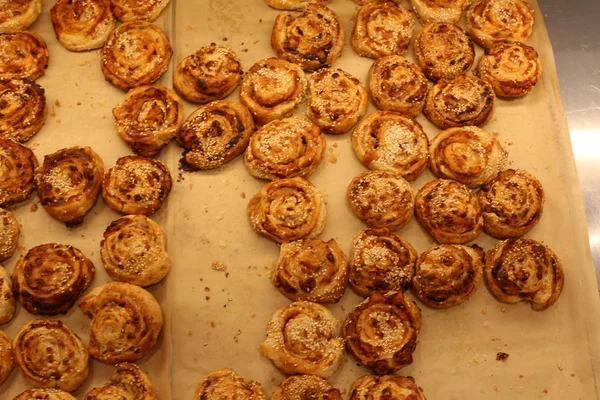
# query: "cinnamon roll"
{"type": "Point", "coordinates": [23, 55]}
{"type": "Point", "coordinates": [463, 101]}
{"type": "Point", "coordinates": [524, 270]}
{"type": "Point", "coordinates": [448, 11]}
{"type": "Point", "coordinates": [17, 167]}
{"type": "Point", "coordinates": [226, 383]}
{"type": "Point", "coordinates": [134, 10]}
{"type": "Point", "coordinates": [134, 250]}
{"type": "Point", "coordinates": [18, 15]}
{"type": "Point", "coordinates": [375, 387]}
{"type": "Point", "coordinates": [136, 185]}
{"type": "Point", "coordinates": [469, 155]}
{"type": "Point", "coordinates": [68, 183]}
{"type": "Point", "coordinates": [136, 54]}
{"type": "Point", "coordinates": [82, 25]}
{"type": "Point", "coordinates": [126, 322]}
{"type": "Point", "coordinates": [50, 355]}
{"type": "Point", "coordinates": [336, 101]}
{"type": "Point", "coordinates": [284, 149]}
{"type": "Point", "coordinates": [292, 4]}
{"type": "Point", "coordinates": [23, 109]}
{"type": "Point", "coordinates": [7, 300]}
{"type": "Point", "coordinates": [512, 68]}
{"type": "Point", "coordinates": [381, 261]}
{"type": "Point", "coordinates": [9, 234]}
{"type": "Point", "coordinates": [6, 357]}
{"type": "Point", "coordinates": [304, 387]}
{"type": "Point", "coordinates": [313, 40]}
{"type": "Point", "coordinates": [148, 118]}
{"type": "Point", "coordinates": [215, 134]}
{"type": "Point", "coordinates": [302, 339]}
{"type": "Point", "coordinates": [512, 203]}
{"type": "Point", "coordinates": [128, 381]}
{"type": "Point", "coordinates": [211, 73]}
{"type": "Point", "coordinates": [382, 331]}
{"type": "Point", "coordinates": [288, 209]}
{"type": "Point", "coordinates": [44, 394]}
{"type": "Point", "coordinates": [273, 89]}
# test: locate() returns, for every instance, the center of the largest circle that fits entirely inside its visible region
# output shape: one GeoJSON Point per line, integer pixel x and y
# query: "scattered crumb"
{"type": "Point", "coordinates": [335, 145]}
{"type": "Point", "coordinates": [243, 194]}
{"type": "Point", "coordinates": [213, 324]}
{"type": "Point", "coordinates": [484, 312]}
{"type": "Point", "coordinates": [78, 103]}
{"type": "Point", "coordinates": [180, 177]}
{"type": "Point", "coordinates": [58, 121]}
{"type": "Point", "coordinates": [343, 308]}
{"type": "Point", "coordinates": [189, 27]}
{"type": "Point", "coordinates": [207, 289]}
{"type": "Point", "coordinates": [496, 388]}
{"type": "Point", "coordinates": [256, 41]}
{"type": "Point", "coordinates": [252, 316]}
{"type": "Point", "coordinates": [572, 374]}
{"type": "Point", "coordinates": [207, 298]}
{"type": "Point", "coordinates": [224, 39]}
{"type": "Point", "coordinates": [545, 391]}
{"type": "Point", "coordinates": [521, 376]}
{"type": "Point", "coordinates": [333, 159]}
{"type": "Point", "coordinates": [500, 356]}
{"type": "Point", "coordinates": [191, 186]}
{"type": "Point", "coordinates": [189, 333]}
{"type": "Point", "coordinates": [205, 344]}
{"type": "Point", "coordinates": [217, 266]}
{"type": "Point", "coordinates": [34, 207]}
{"type": "Point", "coordinates": [503, 309]}
{"type": "Point", "coordinates": [260, 21]}
{"type": "Point", "coordinates": [53, 112]}
{"type": "Point", "coordinates": [222, 243]}
{"type": "Point", "coordinates": [237, 334]}
{"type": "Point", "coordinates": [559, 367]}
{"type": "Point", "coordinates": [244, 50]}
{"type": "Point", "coordinates": [57, 102]}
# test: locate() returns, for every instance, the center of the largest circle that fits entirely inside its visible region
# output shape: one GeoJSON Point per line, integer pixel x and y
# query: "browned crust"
{"type": "Point", "coordinates": [304, 387]}
{"type": "Point", "coordinates": [82, 25]}
{"type": "Point", "coordinates": [24, 56]}
{"type": "Point", "coordinates": [16, 181]}
{"type": "Point", "coordinates": [134, 10]}
{"type": "Point", "coordinates": [227, 383]}
{"type": "Point", "coordinates": [394, 386]}
{"type": "Point", "coordinates": [6, 357]}
{"type": "Point", "coordinates": [127, 379]}
{"type": "Point", "coordinates": [23, 109]}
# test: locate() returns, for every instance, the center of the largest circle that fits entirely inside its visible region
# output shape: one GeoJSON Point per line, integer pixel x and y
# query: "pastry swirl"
{"type": "Point", "coordinates": [382, 331]}
{"type": "Point", "coordinates": [304, 387]}
{"type": "Point", "coordinates": [17, 168]}
{"type": "Point", "coordinates": [6, 357]}
{"type": "Point", "coordinates": [9, 236]}
{"type": "Point", "coordinates": [128, 381]}
{"type": "Point", "coordinates": [227, 384]}
{"type": "Point", "coordinates": [375, 387]}
{"type": "Point", "coordinates": [364, 2]}
{"type": "Point", "coordinates": [448, 11]}
{"type": "Point", "coordinates": [302, 339]}
{"type": "Point", "coordinates": [18, 15]}
{"type": "Point", "coordinates": [134, 10]}
{"type": "Point", "coordinates": [7, 301]}
{"type": "Point", "coordinates": [524, 270]}
{"type": "Point", "coordinates": [313, 40]}
{"type": "Point", "coordinates": [44, 394]}
{"type": "Point", "coordinates": [23, 109]}
{"type": "Point", "coordinates": [292, 4]}
{"type": "Point", "coordinates": [23, 55]}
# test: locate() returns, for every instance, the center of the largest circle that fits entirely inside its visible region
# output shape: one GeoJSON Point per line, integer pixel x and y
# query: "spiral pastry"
{"type": "Point", "coordinates": [68, 183]}
{"type": "Point", "coordinates": [211, 73]}
{"type": "Point", "coordinates": [489, 21]}
{"type": "Point", "coordinates": [128, 381]}
{"type": "Point", "coordinates": [9, 235]}
{"type": "Point", "coordinates": [17, 167]}
{"type": "Point", "coordinates": [448, 11]}
{"type": "Point", "coordinates": [313, 40]}
{"type": "Point", "coordinates": [134, 10]}
{"type": "Point", "coordinates": [50, 355]}
{"type": "Point", "coordinates": [134, 250]}
{"type": "Point", "coordinates": [215, 134]}
{"type": "Point", "coordinates": [44, 394]}
{"type": "Point", "coordinates": [364, 2]}
{"type": "Point", "coordinates": [302, 339]}
{"type": "Point", "coordinates": [227, 384]}
{"type": "Point", "coordinates": [126, 322]}
{"type": "Point", "coordinates": [382, 331]}
{"type": "Point", "coordinates": [336, 101]}
{"type": "Point", "coordinates": [23, 109]}
{"type": "Point", "coordinates": [23, 55]}
{"type": "Point", "coordinates": [381, 261]}
{"type": "Point", "coordinates": [397, 85]}
{"type": "Point", "coordinates": [304, 387]}
{"type": "Point", "coordinates": [288, 209]}
{"type": "Point", "coordinates": [18, 15]}
{"type": "Point", "coordinates": [136, 54]}
{"type": "Point", "coordinates": [374, 387]}
{"type": "Point", "coordinates": [524, 270]}
{"type": "Point", "coordinates": [469, 155]}
{"type": "Point", "coordinates": [512, 68]}
{"type": "Point", "coordinates": [512, 203]}
{"type": "Point", "coordinates": [7, 301]}
{"type": "Point", "coordinates": [136, 185]}
{"type": "Point", "coordinates": [82, 25]}
{"type": "Point", "coordinates": [273, 89]}
{"type": "Point", "coordinates": [6, 357]}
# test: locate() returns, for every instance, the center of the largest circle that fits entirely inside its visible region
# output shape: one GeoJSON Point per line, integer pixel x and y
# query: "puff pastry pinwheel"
{"type": "Point", "coordinates": [313, 40]}
{"type": "Point", "coordinates": [68, 183]}
{"type": "Point", "coordinates": [9, 235]}
{"type": "Point", "coordinates": [7, 299]}
{"type": "Point", "coordinates": [302, 339]}
{"type": "Point", "coordinates": [133, 10]}
{"type": "Point", "coordinates": [126, 322]}
{"type": "Point", "coordinates": [44, 394]}
{"type": "Point", "coordinates": [524, 270]}
{"type": "Point", "coordinates": [23, 55]}
{"type": "Point", "coordinates": [50, 355]}
{"type": "Point", "coordinates": [364, 2]}
{"type": "Point", "coordinates": [17, 168]}
{"type": "Point", "coordinates": [382, 331]}
{"type": "Point", "coordinates": [82, 25]}
{"type": "Point", "coordinates": [448, 11]}
{"type": "Point", "coordinates": [304, 387]}
{"type": "Point", "coordinates": [23, 109]}
{"type": "Point", "coordinates": [227, 384]}
{"type": "Point", "coordinates": [292, 4]}
{"type": "Point", "coordinates": [136, 54]}
{"type": "Point", "coordinates": [375, 387]}
{"type": "Point", "coordinates": [16, 16]}
{"type": "Point", "coordinates": [128, 381]}
{"type": "Point", "coordinates": [6, 357]}
{"type": "Point", "coordinates": [134, 251]}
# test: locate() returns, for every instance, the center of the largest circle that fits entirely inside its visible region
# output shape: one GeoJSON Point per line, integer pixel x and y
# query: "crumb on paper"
{"type": "Point", "coordinates": [207, 289]}
{"type": "Point", "coordinates": [180, 177]}
{"type": "Point", "coordinates": [206, 210]}
{"type": "Point", "coordinates": [189, 27]}
{"type": "Point", "coordinates": [190, 333]}
{"type": "Point", "coordinates": [207, 298]}
{"type": "Point", "coordinates": [521, 376]}
{"type": "Point", "coordinates": [343, 308]}
{"type": "Point", "coordinates": [243, 194]}
{"type": "Point", "coordinates": [213, 324]}
{"type": "Point", "coordinates": [244, 50]}
{"type": "Point", "coordinates": [572, 374]}
{"type": "Point", "coordinates": [559, 367]}
{"type": "Point", "coordinates": [260, 21]}
{"type": "Point", "coordinates": [222, 243]}
{"type": "Point", "coordinates": [496, 389]}
{"type": "Point", "coordinates": [545, 391]}
{"type": "Point", "coordinates": [484, 312]}
{"type": "Point", "coordinates": [34, 207]}
{"type": "Point", "coordinates": [57, 103]}
{"type": "Point", "coordinates": [78, 103]}
{"type": "Point", "coordinates": [335, 145]}
{"type": "Point", "coordinates": [53, 112]}
{"type": "Point", "coordinates": [500, 356]}
{"type": "Point", "coordinates": [205, 344]}
{"type": "Point", "coordinates": [333, 159]}
{"type": "Point", "coordinates": [58, 121]}
{"type": "Point", "coordinates": [224, 39]}
{"type": "Point", "coordinates": [252, 316]}
{"type": "Point", "coordinates": [217, 266]}
{"type": "Point", "coordinates": [256, 41]}
{"type": "Point", "coordinates": [503, 309]}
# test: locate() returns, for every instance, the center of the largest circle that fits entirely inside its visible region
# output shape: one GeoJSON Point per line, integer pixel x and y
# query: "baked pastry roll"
{"type": "Point", "coordinates": [336, 100]}
{"type": "Point", "coordinates": [68, 183]}
{"type": "Point", "coordinates": [128, 381]}
{"type": "Point", "coordinates": [23, 110]}
{"type": "Point", "coordinates": [284, 149]}
{"type": "Point", "coordinates": [24, 55]}
{"type": "Point", "coordinates": [16, 16]}
{"type": "Point", "coordinates": [364, 2]}
{"type": "Point", "coordinates": [449, 211]}
{"type": "Point", "coordinates": [134, 250]}
{"type": "Point", "coordinates": [302, 339]}
{"type": "Point", "coordinates": [382, 331]}
{"type": "Point", "coordinates": [136, 185]}
{"type": "Point", "coordinates": [313, 40]}
{"type": "Point", "coordinates": [388, 141]}
{"type": "Point", "coordinates": [9, 235]}
{"type": "Point", "coordinates": [469, 155]}
{"type": "Point", "coordinates": [304, 387]}
{"type": "Point", "coordinates": [227, 384]}
{"type": "Point", "coordinates": [448, 11]}
{"type": "Point", "coordinates": [293, 4]}
{"type": "Point", "coordinates": [133, 10]}
{"type": "Point", "coordinates": [17, 167]}
{"type": "Point", "coordinates": [524, 270]}
{"type": "Point", "coordinates": [136, 54]}
{"type": "Point", "coordinates": [50, 355]}
{"type": "Point", "coordinates": [375, 387]}
{"type": "Point", "coordinates": [82, 25]}
{"type": "Point", "coordinates": [44, 394]}
{"type": "Point", "coordinates": [7, 300]}
{"type": "Point", "coordinates": [288, 209]}
{"type": "Point", "coordinates": [6, 357]}
{"type": "Point", "coordinates": [273, 89]}
{"type": "Point", "coordinates": [126, 322]}
{"type": "Point", "coordinates": [512, 203]}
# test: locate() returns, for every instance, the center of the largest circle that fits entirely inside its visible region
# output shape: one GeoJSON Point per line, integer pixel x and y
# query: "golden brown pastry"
{"type": "Point", "coordinates": [6, 357]}
{"type": "Point", "coordinates": [133, 10]}
{"type": "Point", "coordinates": [9, 235]}
{"type": "Point", "coordinates": [134, 250]}
{"type": "Point", "coordinates": [336, 101]}
{"type": "Point", "coordinates": [375, 387]}
{"type": "Point", "coordinates": [50, 355]}
{"type": "Point", "coordinates": [211, 73]}
{"type": "Point", "coordinates": [284, 149]}
{"type": "Point", "coordinates": [23, 109]}
{"type": "Point", "coordinates": [292, 4]}
{"type": "Point", "coordinates": [302, 339]}
{"type": "Point", "coordinates": [512, 203]}
{"type": "Point", "coordinates": [23, 55]}
{"type": "Point", "coordinates": [382, 331]}
{"type": "Point", "coordinates": [18, 15]}
{"type": "Point", "coordinates": [313, 40]}
{"type": "Point", "coordinates": [215, 134]}
{"type": "Point", "coordinates": [448, 11]}
{"type": "Point", "coordinates": [305, 387]}
{"type": "Point", "coordinates": [126, 322]}
{"type": "Point", "coordinates": [273, 89]}
{"type": "Point", "coordinates": [136, 185]}
{"type": "Point", "coordinates": [68, 183]}
{"type": "Point", "coordinates": [524, 270]}
{"type": "Point", "coordinates": [44, 394]}
{"type": "Point", "coordinates": [7, 301]}
{"type": "Point", "coordinates": [136, 54]}
{"type": "Point", "coordinates": [288, 209]}
{"type": "Point", "coordinates": [469, 155]}
{"type": "Point", "coordinates": [364, 2]}
{"type": "Point", "coordinates": [128, 381]}
{"type": "Point", "coordinates": [82, 25]}
{"type": "Point", "coordinates": [227, 384]}
{"type": "Point", "coordinates": [17, 167]}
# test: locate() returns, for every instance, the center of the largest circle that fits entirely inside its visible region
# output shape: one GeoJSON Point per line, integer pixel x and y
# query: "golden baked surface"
{"type": "Point", "coordinates": [18, 15]}
{"type": "Point", "coordinates": [23, 109]}
{"type": "Point", "coordinates": [23, 55]}
{"type": "Point", "coordinates": [128, 381]}
{"type": "Point", "coordinates": [489, 21]}
{"type": "Point", "coordinates": [227, 384]}
{"type": "Point", "coordinates": [303, 387]}
{"type": "Point", "coordinates": [82, 25]}
{"type": "Point", "coordinates": [383, 387]}
{"type": "Point", "coordinates": [17, 168]}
